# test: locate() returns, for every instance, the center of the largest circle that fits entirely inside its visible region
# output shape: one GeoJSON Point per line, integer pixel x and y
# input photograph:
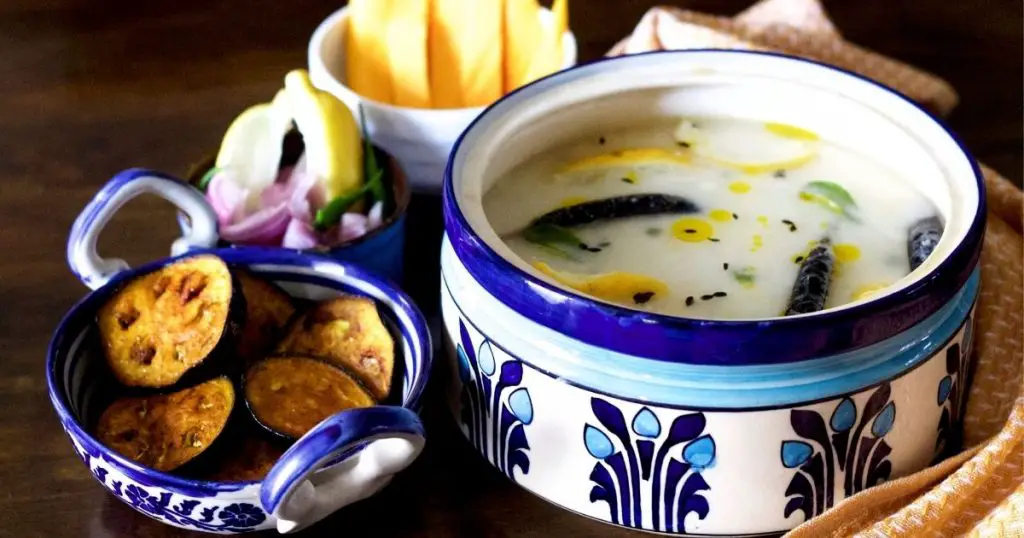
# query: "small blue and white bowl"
{"type": "Point", "coordinates": [696, 427]}
{"type": "Point", "coordinates": [346, 458]}
{"type": "Point", "coordinates": [381, 250]}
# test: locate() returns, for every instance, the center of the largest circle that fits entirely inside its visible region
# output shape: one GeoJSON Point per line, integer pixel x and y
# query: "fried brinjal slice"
{"type": "Point", "coordinates": [347, 331]}
{"type": "Point", "coordinates": [161, 325]}
{"type": "Point", "coordinates": [922, 237]}
{"type": "Point", "coordinates": [268, 309]}
{"type": "Point", "coordinates": [252, 460]}
{"type": "Point", "coordinates": [165, 431]}
{"type": "Point", "coordinates": [810, 291]}
{"type": "Point", "coordinates": [290, 395]}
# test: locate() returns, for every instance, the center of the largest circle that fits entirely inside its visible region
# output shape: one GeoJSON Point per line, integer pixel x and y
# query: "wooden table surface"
{"type": "Point", "coordinates": [90, 87]}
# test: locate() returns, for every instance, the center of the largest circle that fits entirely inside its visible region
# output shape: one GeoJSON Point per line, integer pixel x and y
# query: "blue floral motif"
{"type": "Point", "coordinates": [950, 394]}
{"type": "Point", "coordinates": [495, 409]}
{"type": "Point", "coordinates": [630, 464]}
{"type": "Point", "coordinates": [242, 515]}
{"type": "Point", "coordinates": [844, 445]}
{"type": "Point", "coordinates": [177, 509]}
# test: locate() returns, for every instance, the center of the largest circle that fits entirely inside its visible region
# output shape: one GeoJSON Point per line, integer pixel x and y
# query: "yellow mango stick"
{"type": "Point", "coordinates": [465, 52]}
{"type": "Point", "coordinates": [367, 71]}
{"type": "Point", "coordinates": [407, 52]}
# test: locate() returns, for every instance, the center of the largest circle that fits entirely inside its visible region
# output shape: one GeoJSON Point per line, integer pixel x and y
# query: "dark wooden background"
{"type": "Point", "coordinates": [89, 87]}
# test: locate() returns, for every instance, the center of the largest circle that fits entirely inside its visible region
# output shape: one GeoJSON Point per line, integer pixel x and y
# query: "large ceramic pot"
{"type": "Point", "coordinates": [688, 426]}
{"type": "Point", "coordinates": [347, 457]}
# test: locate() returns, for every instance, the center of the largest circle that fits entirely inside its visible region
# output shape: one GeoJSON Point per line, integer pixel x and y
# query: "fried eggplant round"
{"type": "Point", "coordinates": [159, 326]}
{"type": "Point", "coordinates": [290, 395]}
{"type": "Point", "coordinates": [268, 310]}
{"type": "Point", "coordinates": [347, 331]}
{"type": "Point", "coordinates": [166, 431]}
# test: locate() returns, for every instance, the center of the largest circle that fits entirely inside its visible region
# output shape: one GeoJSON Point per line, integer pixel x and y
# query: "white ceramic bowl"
{"type": "Point", "coordinates": [420, 139]}
{"type": "Point", "coordinates": [699, 427]}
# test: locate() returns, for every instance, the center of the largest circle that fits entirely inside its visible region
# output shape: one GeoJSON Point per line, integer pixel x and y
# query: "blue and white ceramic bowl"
{"type": "Point", "coordinates": [346, 458]}
{"type": "Point", "coordinates": [696, 427]}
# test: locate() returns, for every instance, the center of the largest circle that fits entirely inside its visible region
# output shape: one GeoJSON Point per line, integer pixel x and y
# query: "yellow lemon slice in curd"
{"type": "Point", "coordinates": [778, 147]}
{"type": "Point", "coordinates": [616, 287]}
{"type": "Point", "coordinates": [629, 157]}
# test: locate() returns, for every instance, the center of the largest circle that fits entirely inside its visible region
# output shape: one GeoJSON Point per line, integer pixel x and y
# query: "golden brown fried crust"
{"type": "Point", "coordinates": [291, 395]}
{"type": "Point", "coordinates": [160, 325]}
{"type": "Point", "coordinates": [268, 309]}
{"type": "Point", "coordinates": [166, 431]}
{"type": "Point", "coordinates": [348, 331]}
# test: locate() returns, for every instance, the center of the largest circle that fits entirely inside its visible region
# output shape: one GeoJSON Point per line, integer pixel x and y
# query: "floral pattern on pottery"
{"type": "Point", "coordinates": [950, 394]}
{"type": "Point", "coordinates": [222, 516]}
{"type": "Point", "coordinates": [639, 461]}
{"type": "Point", "coordinates": [494, 422]}
{"type": "Point", "coordinates": [743, 470]}
{"type": "Point", "coordinates": [845, 446]}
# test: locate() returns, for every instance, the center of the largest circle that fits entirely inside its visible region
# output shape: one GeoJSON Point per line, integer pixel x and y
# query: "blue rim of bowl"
{"type": "Point", "coordinates": [674, 339]}
{"type": "Point", "coordinates": [85, 308]}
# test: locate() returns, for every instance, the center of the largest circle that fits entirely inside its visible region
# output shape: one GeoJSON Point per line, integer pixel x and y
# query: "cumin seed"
{"type": "Point", "coordinates": [642, 297]}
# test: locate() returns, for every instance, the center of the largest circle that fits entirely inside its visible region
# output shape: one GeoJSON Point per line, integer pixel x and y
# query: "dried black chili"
{"type": "Point", "coordinates": [810, 290]}
{"type": "Point", "coordinates": [617, 207]}
{"type": "Point", "coordinates": [922, 237]}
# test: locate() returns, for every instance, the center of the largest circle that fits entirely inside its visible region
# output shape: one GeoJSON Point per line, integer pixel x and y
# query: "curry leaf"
{"type": "Point", "coordinates": [744, 275]}
{"type": "Point", "coordinates": [550, 234]}
{"type": "Point", "coordinates": [832, 196]}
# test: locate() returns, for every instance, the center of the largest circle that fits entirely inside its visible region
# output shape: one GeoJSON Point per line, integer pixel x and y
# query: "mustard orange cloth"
{"type": "Point", "coordinates": [979, 492]}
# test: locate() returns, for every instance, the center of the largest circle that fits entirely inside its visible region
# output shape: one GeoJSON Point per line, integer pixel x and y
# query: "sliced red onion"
{"type": "Point", "coordinates": [225, 196]}
{"type": "Point", "coordinates": [374, 216]}
{"type": "Point", "coordinates": [299, 235]}
{"type": "Point", "coordinates": [351, 226]}
{"type": "Point", "coordinates": [301, 184]}
{"type": "Point", "coordinates": [276, 194]}
{"type": "Point", "coordinates": [264, 227]}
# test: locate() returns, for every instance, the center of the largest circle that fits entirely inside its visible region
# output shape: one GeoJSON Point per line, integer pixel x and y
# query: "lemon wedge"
{"type": "Point", "coordinates": [616, 287]}
{"type": "Point", "coordinates": [330, 133]}
{"type": "Point", "coordinates": [251, 146]}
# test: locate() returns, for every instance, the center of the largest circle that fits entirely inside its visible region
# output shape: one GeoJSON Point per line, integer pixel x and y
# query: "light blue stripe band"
{"type": "Point", "coordinates": [746, 387]}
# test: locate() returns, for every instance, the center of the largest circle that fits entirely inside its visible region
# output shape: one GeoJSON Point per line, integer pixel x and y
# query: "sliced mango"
{"type": "Point", "coordinates": [407, 52]}
{"type": "Point", "coordinates": [465, 52]}
{"type": "Point", "coordinates": [629, 157]}
{"type": "Point", "coordinates": [523, 34]}
{"type": "Point", "coordinates": [367, 69]}
{"type": "Point", "coordinates": [616, 287]}
{"type": "Point", "coordinates": [548, 56]}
